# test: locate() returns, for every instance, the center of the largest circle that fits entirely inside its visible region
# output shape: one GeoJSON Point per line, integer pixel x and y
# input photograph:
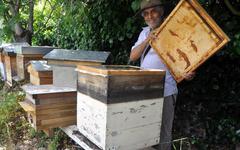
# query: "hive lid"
{"type": "Point", "coordinates": [118, 70]}
{"type": "Point", "coordinates": [40, 65]}
{"type": "Point", "coordinates": [11, 47]}
{"type": "Point", "coordinates": [45, 89]}
{"type": "Point", "coordinates": [77, 55]}
{"type": "Point", "coordinates": [187, 38]}
{"type": "Point", "coordinates": [34, 49]}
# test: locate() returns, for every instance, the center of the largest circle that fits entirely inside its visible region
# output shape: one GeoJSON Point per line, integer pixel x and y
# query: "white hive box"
{"type": "Point", "coordinates": [120, 107]}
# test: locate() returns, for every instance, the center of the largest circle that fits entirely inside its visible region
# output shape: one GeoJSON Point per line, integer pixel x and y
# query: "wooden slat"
{"type": "Point", "coordinates": [11, 69]}
{"type": "Point", "coordinates": [27, 106]}
{"type": "Point", "coordinates": [70, 63]}
{"type": "Point", "coordinates": [108, 70]}
{"type": "Point", "coordinates": [40, 80]}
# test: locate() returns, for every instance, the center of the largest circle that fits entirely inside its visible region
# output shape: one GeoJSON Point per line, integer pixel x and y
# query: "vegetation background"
{"type": "Point", "coordinates": [208, 107]}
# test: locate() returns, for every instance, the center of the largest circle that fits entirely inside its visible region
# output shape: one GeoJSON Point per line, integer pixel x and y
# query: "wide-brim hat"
{"type": "Point", "coordinates": [145, 4]}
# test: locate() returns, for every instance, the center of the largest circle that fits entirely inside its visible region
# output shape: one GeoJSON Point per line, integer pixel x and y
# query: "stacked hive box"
{"type": "Point", "coordinates": [26, 54]}
{"type": "Point", "coordinates": [51, 106]}
{"type": "Point", "coordinates": [120, 107]}
{"type": "Point", "coordinates": [40, 72]}
{"type": "Point", "coordinates": [64, 63]}
{"type": "Point", "coordinates": [9, 53]}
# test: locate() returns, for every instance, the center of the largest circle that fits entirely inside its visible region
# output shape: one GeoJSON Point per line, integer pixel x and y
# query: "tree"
{"type": "Point", "coordinates": [19, 18]}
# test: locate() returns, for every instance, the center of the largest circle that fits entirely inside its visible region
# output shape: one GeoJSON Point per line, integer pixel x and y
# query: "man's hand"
{"type": "Point", "coordinates": [151, 36]}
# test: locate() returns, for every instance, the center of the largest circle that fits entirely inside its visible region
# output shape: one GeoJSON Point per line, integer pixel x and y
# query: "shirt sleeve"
{"type": "Point", "coordinates": [141, 38]}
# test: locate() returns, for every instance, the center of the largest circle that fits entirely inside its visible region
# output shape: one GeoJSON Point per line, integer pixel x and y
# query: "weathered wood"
{"type": "Point", "coordinates": [85, 143]}
{"type": "Point", "coordinates": [69, 63]}
{"type": "Point", "coordinates": [40, 81]}
{"type": "Point", "coordinates": [110, 70]}
{"type": "Point", "coordinates": [113, 86]}
{"type": "Point", "coordinates": [187, 38]}
{"type": "Point", "coordinates": [11, 68]}
{"type": "Point", "coordinates": [22, 62]}
{"type": "Point", "coordinates": [118, 103]}
{"type": "Point", "coordinates": [49, 106]}
{"type": "Point", "coordinates": [40, 73]}
{"type": "Point", "coordinates": [78, 55]}
{"type": "Point", "coordinates": [34, 50]}
{"type": "Point", "coordinates": [64, 63]}
{"type": "Point", "coordinates": [9, 52]}
{"type": "Point", "coordinates": [111, 125]}
{"type": "Point", "coordinates": [46, 89]}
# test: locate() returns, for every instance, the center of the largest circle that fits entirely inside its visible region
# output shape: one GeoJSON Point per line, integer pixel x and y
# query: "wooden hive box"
{"type": "Point", "coordinates": [40, 72]}
{"type": "Point", "coordinates": [26, 54]}
{"type": "Point", "coordinates": [49, 106]}
{"type": "Point", "coordinates": [120, 107]}
{"type": "Point", "coordinates": [187, 38]}
{"type": "Point", "coordinates": [9, 52]}
{"type": "Point", "coordinates": [43, 101]}
{"type": "Point", "coordinates": [64, 63]}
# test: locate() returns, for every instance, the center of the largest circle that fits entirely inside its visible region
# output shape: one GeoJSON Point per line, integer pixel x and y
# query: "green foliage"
{"type": "Point", "coordinates": [12, 123]}
{"type": "Point", "coordinates": [208, 107]}
{"type": "Point", "coordinates": [98, 25]}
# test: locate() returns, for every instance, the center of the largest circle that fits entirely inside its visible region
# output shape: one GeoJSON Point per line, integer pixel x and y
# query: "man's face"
{"type": "Point", "coordinates": [153, 16]}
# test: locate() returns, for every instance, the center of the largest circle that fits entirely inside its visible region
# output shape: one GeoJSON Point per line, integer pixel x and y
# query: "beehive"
{"type": "Point", "coordinates": [9, 52]}
{"type": "Point", "coordinates": [44, 101]}
{"type": "Point", "coordinates": [120, 107]}
{"type": "Point", "coordinates": [64, 63]}
{"type": "Point", "coordinates": [187, 38]}
{"type": "Point", "coordinates": [40, 72]}
{"type": "Point", "coordinates": [26, 54]}
{"type": "Point", "coordinates": [49, 106]}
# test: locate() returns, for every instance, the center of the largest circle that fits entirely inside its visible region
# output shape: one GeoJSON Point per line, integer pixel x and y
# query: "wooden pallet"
{"type": "Point", "coordinates": [187, 38]}
{"type": "Point", "coordinates": [84, 142]}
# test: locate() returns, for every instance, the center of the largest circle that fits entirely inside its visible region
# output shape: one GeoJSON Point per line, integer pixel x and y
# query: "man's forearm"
{"type": "Point", "coordinates": [138, 50]}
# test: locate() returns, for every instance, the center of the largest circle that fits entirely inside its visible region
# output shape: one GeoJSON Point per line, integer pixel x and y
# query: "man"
{"type": "Point", "coordinates": [153, 13]}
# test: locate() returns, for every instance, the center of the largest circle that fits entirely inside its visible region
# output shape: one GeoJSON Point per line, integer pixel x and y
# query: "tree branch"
{"type": "Point", "coordinates": [49, 16]}
{"type": "Point", "coordinates": [231, 8]}
{"type": "Point", "coordinates": [31, 12]}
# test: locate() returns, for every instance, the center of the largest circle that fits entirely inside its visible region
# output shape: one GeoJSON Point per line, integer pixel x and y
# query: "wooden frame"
{"type": "Point", "coordinates": [187, 38]}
